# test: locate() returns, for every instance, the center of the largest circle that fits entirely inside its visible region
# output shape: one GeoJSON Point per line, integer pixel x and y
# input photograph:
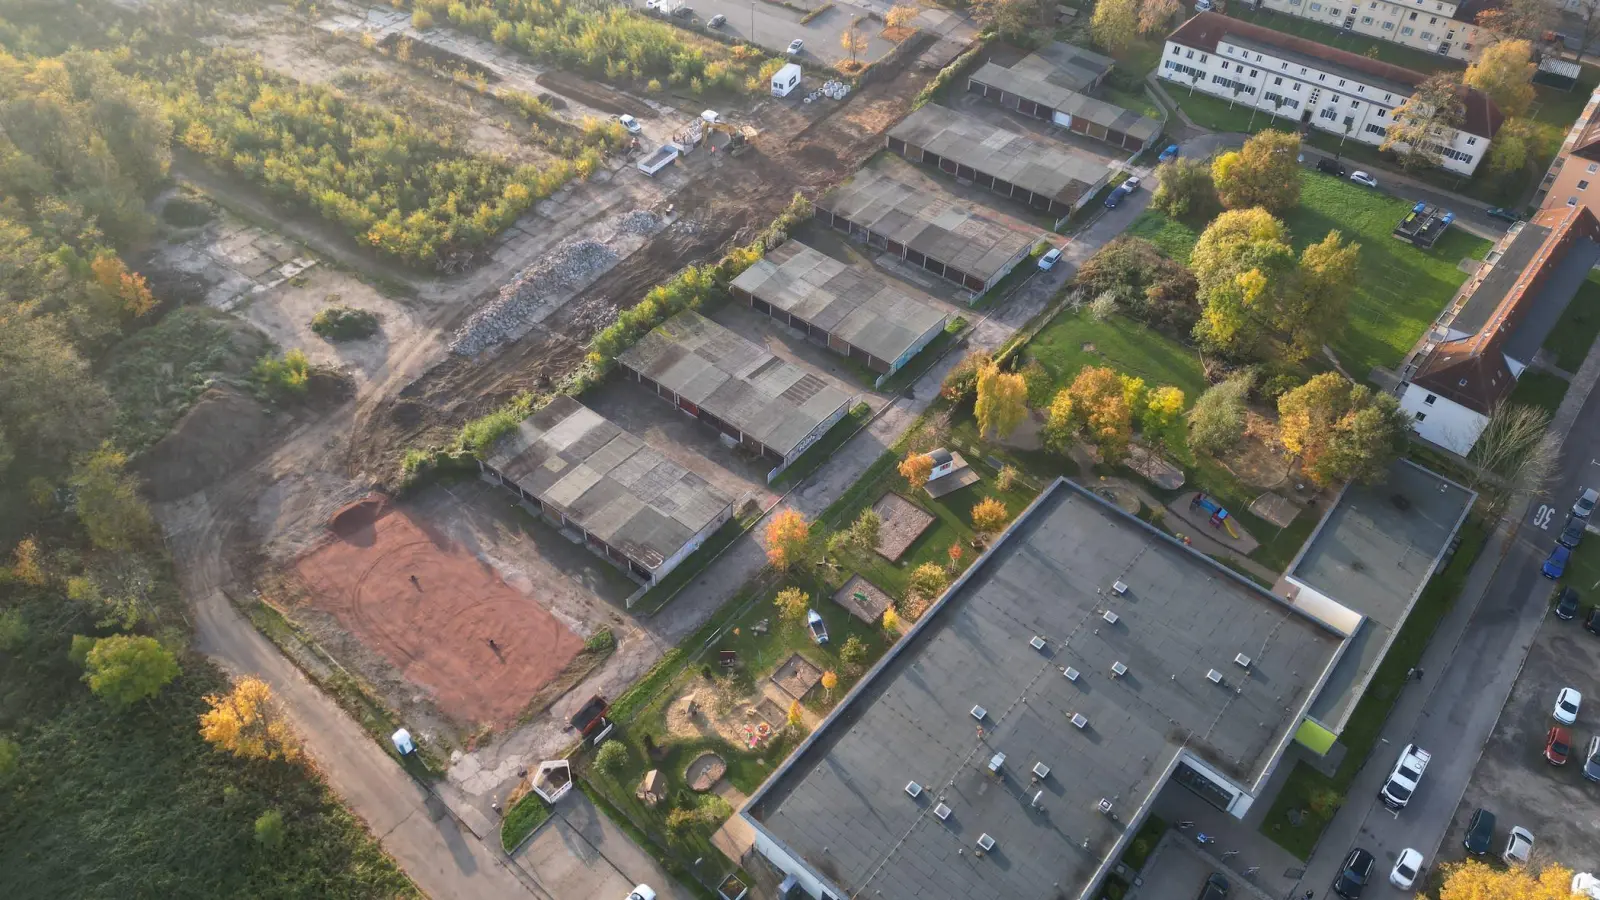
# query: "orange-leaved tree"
{"type": "Point", "coordinates": [916, 468]}
{"type": "Point", "coordinates": [788, 535]}
{"type": "Point", "coordinates": [829, 682]}
{"type": "Point", "coordinates": [247, 723]}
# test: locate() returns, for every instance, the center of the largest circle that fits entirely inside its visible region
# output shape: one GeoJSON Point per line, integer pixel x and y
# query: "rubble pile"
{"type": "Point", "coordinates": [572, 264]}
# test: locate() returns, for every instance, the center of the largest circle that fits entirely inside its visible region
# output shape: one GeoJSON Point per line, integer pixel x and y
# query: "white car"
{"type": "Point", "coordinates": [1202, 6]}
{"type": "Point", "coordinates": [1586, 502]}
{"type": "Point", "coordinates": [1586, 885]}
{"type": "Point", "coordinates": [629, 122]}
{"type": "Point", "coordinates": [1567, 705]}
{"type": "Point", "coordinates": [1404, 874]}
{"type": "Point", "coordinates": [1518, 846]}
{"type": "Point", "coordinates": [711, 116]}
{"type": "Point", "coordinates": [1131, 185]}
{"type": "Point", "coordinates": [1397, 791]}
{"type": "Point", "coordinates": [1049, 260]}
{"type": "Point", "coordinates": [642, 892]}
{"type": "Point", "coordinates": [1363, 178]}
{"type": "Point", "coordinates": [795, 46]}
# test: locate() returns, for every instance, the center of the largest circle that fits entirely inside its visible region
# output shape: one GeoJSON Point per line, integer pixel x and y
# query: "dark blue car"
{"type": "Point", "coordinates": [1116, 196]}
{"type": "Point", "coordinates": [1556, 565]}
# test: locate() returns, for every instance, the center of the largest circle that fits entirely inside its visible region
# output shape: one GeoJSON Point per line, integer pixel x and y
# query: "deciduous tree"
{"type": "Point", "coordinates": [10, 760]}
{"type": "Point", "coordinates": [853, 42]}
{"type": "Point", "coordinates": [1524, 19]}
{"type": "Point", "coordinates": [1471, 879]}
{"type": "Point", "coordinates": [247, 723]}
{"type": "Point", "coordinates": [916, 468]}
{"type": "Point", "coordinates": [123, 669]}
{"type": "Point", "coordinates": [1244, 264]}
{"type": "Point", "coordinates": [270, 831]}
{"type": "Point", "coordinates": [50, 404]}
{"type": "Point", "coordinates": [854, 651]}
{"type": "Point", "coordinates": [864, 530]}
{"type": "Point", "coordinates": [1002, 401]}
{"type": "Point", "coordinates": [1155, 14]}
{"type": "Point", "coordinates": [928, 580]}
{"type": "Point", "coordinates": [27, 563]}
{"type": "Point", "coordinates": [1341, 431]}
{"type": "Point", "coordinates": [792, 604]}
{"type": "Point", "coordinates": [796, 717]}
{"type": "Point", "coordinates": [1314, 309]}
{"type": "Point", "coordinates": [891, 620]}
{"type": "Point", "coordinates": [108, 503]}
{"type": "Point", "coordinates": [1504, 71]}
{"type": "Point", "coordinates": [1162, 408]}
{"type": "Point", "coordinates": [1426, 120]}
{"type": "Point", "coordinates": [901, 15]}
{"type": "Point", "coordinates": [1514, 454]}
{"type": "Point", "coordinates": [1265, 172]}
{"type": "Point", "coordinates": [612, 759]}
{"type": "Point", "coordinates": [1013, 19]}
{"type": "Point", "coordinates": [829, 682]}
{"type": "Point", "coordinates": [1099, 409]}
{"type": "Point", "coordinates": [1184, 186]}
{"type": "Point", "coordinates": [989, 516]}
{"type": "Point", "coordinates": [1115, 24]}
{"type": "Point", "coordinates": [1217, 421]}
{"type": "Point", "coordinates": [788, 539]}
{"type": "Point", "coordinates": [1509, 153]}
{"type": "Point", "coordinates": [1060, 423]}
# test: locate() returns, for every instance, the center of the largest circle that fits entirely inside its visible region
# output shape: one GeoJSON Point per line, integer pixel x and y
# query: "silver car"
{"type": "Point", "coordinates": [1591, 760]}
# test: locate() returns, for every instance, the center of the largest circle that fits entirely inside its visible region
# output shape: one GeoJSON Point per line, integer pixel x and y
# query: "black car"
{"type": "Point", "coordinates": [1572, 532]}
{"type": "Point", "coordinates": [1480, 832]}
{"type": "Point", "coordinates": [1353, 874]}
{"type": "Point", "coordinates": [1567, 606]}
{"type": "Point", "coordinates": [1330, 166]}
{"type": "Point", "coordinates": [1215, 888]}
{"type": "Point", "coordinates": [1592, 622]}
{"type": "Point", "coordinates": [1504, 215]}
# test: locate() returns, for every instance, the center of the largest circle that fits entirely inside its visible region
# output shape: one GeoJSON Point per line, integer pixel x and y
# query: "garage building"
{"type": "Point", "coordinates": [854, 311]}
{"type": "Point", "coordinates": [1050, 84]}
{"type": "Point", "coordinates": [1044, 175]}
{"type": "Point", "coordinates": [768, 406]}
{"type": "Point", "coordinates": [634, 506]}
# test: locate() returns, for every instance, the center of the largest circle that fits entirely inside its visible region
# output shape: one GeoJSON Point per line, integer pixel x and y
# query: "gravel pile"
{"type": "Point", "coordinates": [571, 264]}
{"type": "Point", "coordinates": [640, 221]}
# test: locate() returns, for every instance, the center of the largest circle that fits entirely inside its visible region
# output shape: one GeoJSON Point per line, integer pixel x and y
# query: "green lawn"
{"type": "Point", "coordinates": [1319, 796]}
{"type": "Point", "coordinates": [1540, 389]}
{"type": "Point", "coordinates": [520, 821]}
{"type": "Point", "coordinates": [1136, 100]}
{"type": "Point", "coordinates": [1575, 333]}
{"type": "Point", "coordinates": [1074, 340]}
{"type": "Point", "coordinates": [1401, 288]}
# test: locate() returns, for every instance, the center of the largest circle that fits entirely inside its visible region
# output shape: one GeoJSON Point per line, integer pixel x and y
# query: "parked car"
{"type": "Point", "coordinates": [1202, 5]}
{"type": "Point", "coordinates": [642, 892]}
{"type": "Point", "coordinates": [819, 628]}
{"type": "Point", "coordinates": [717, 21]}
{"type": "Point", "coordinates": [1557, 746]}
{"type": "Point", "coordinates": [1406, 868]}
{"type": "Point", "coordinates": [1567, 704]}
{"type": "Point", "coordinates": [1591, 760]}
{"type": "Point", "coordinates": [1397, 791]}
{"type": "Point", "coordinates": [1556, 565]}
{"type": "Point", "coordinates": [684, 12]}
{"type": "Point", "coordinates": [1567, 604]}
{"type": "Point", "coordinates": [628, 122]}
{"type": "Point", "coordinates": [1215, 888]}
{"type": "Point", "coordinates": [1518, 846]}
{"type": "Point", "coordinates": [1501, 213]}
{"type": "Point", "coordinates": [795, 46]}
{"type": "Point", "coordinates": [1364, 178]}
{"type": "Point", "coordinates": [1049, 260]}
{"type": "Point", "coordinates": [1586, 502]}
{"type": "Point", "coordinates": [1480, 831]}
{"type": "Point", "coordinates": [1131, 185]}
{"type": "Point", "coordinates": [1585, 884]}
{"type": "Point", "coordinates": [1353, 874]}
{"type": "Point", "coordinates": [1591, 624]}
{"type": "Point", "coordinates": [1169, 154]}
{"type": "Point", "coordinates": [1115, 197]}
{"type": "Point", "coordinates": [1572, 532]}
{"type": "Point", "coordinates": [1331, 167]}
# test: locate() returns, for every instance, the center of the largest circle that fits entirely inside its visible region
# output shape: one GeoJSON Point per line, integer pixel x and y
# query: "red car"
{"type": "Point", "coordinates": [1557, 746]}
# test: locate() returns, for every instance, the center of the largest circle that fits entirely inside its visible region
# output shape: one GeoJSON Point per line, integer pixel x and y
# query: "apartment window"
{"type": "Point", "coordinates": [1341, 82]}
{"type": "Point", "coordinates": [1383, 113]}
{"type": "Point", "coordinates": [1322, 76]}
{"type": "Point", "coordinates": [1572, 201]}
{"type": "Point", "coordinates": [1361, 89]}
{"type": "Point", "coordinates": [1174, 51]}
{"type": "Point", "coordinates": [1583, 185]}
{"type": "Point", "coordinates": [1406, 30]}
{"type": "Point", "coordinates": [1412, 17]}
{"type": "Point", "coordinates": [1203, 57]}
{"type": "Point", "coordinates": [1189, 55]}
{"type": "Point", "coordinates": [1471, 141]}
{"type": "Point", "coordinates": [1593, 168]}
{"type": "Point", "coordinates": [1258, 57]}
{"type": "Point", "coordinates": [1354, 105]}
{"type": "Point", "coordinates": [1224, 66]}
{"type": "Point", "coordinates": [1388, 26]}
{"type": "Point", "coordinates": [1302, 70]}
{"type": "Point", "coordinates": [1430, 398]}
{"type": "Point", "coordinates": [1421, 416]}
{"type": "Point", "coordinates": [1433, 20]}
{"type": "Point", "coordinates": [1316, 7]}
{"type": "Point", "coordinates": [1297, 85]}
{"type": "Point", "coordinates": [1388, 98]}
{"type": "Point", "coordinates": [1327, 114]}
{"type": "Point", "coordinates": [1427, 35]}
{"type": "Point", "coordinates": [1254, 73]}
{"type": "Point", "coordinates": [1374, 129]}
{"type": "Point", "coordinates": [1284, 66]}
{"type": "Point", "coordinates": [1277, 81]}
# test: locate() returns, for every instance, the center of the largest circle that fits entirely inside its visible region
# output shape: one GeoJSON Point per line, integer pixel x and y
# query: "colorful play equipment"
{"type": "Point", "coordinates": [1219, 516]}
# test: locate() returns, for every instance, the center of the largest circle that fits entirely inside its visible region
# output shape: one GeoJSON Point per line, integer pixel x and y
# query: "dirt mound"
{"type": "Point", "coordinates": [358, 516]}
{"type": "Point", "coordinates": [218, 435]}
{"type": "Point", "coordinates": [595, 94]}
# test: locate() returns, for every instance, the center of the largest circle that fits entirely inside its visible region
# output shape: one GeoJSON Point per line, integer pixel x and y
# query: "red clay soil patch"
{"type": "Point", "coordinates": [902, 523]}
{"type": "Point", "coordinates": [797, 676]}
{"type": "Point", "coordinates": [870, 610]}
{"type": "Point", "coordinates": [436, 629]}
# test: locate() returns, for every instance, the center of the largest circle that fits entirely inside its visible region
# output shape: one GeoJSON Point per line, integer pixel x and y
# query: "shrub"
{"type": "Point", "coordinates": [269, 829]}
{"type": "Point", "coordinates": [961, 383]}
{"type": "Point", "coordinates": [186, 212]}
{"type": "Point", "coordinates": [612, 759]}
{"type": "Point", "coordinates": [928, 580]}
{"type": "Point", "coordinates": [344, 323]}
{"type": "Point", "coordinates": [479, 435]}
{"type": "Point", "coordinates": [284, 378]}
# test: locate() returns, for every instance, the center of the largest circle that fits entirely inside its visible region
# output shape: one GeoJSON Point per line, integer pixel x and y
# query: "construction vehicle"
{"type": "Point", "coordinates": [739, 136]}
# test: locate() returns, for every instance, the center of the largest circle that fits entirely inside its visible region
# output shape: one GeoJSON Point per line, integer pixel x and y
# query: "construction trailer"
{"type": "Point", "coordinates": [785, 80]}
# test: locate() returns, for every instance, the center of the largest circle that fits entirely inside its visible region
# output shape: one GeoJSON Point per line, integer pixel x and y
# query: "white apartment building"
{"type": "Point", "coordinates": [1433, 26]}
{"type": "Point", "coordinates": [1306, 83]}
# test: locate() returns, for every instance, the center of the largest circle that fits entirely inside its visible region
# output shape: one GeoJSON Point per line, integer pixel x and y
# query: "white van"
{"type": "Point", "coordinates": [1403, 780]}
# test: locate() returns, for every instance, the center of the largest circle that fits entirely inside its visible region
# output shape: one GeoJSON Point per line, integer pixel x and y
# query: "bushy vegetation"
{"type": "Point", "coordinates": [344, 323]}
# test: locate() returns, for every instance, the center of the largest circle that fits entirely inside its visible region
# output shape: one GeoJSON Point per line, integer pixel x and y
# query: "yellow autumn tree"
{"type": "Point", "coordinates": [988, 516]}
{"type": "Point", "coordinates": [916, 468]}
{"type": "Point", "coordinates": [795, 718]}
{"type": "Point", "coordinates": [1002, 400]}
{"type": "Point", "coordinates": [27, 562]}
{"type": "Point", "coordinates": [1471, 879]}
{"type": "Point", "coordinates": [792, 604]}
{"type": "Point", "coordinates": [891, 621]}
{"type": "Point", "coordinates": [247, 723]}
{"type": "Point", "coordinates": [829, 681]}
{"type": "Point", "coordinates": [788, 535]}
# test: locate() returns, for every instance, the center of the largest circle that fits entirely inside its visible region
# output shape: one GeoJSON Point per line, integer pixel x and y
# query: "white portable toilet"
{"type": "Point", "coordinates": [786, 80]}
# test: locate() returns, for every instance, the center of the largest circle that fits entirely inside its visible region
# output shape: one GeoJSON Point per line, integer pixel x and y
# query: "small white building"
{"type": "Point", "coordinates": [1306, 83]}
{"type": "Point", "coordinates": [785, 80]}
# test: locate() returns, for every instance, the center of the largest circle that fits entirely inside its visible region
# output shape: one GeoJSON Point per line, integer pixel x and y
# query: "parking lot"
{"type": "Point", "coordinates": [773, 27]}
{"type": "Point", "coordinates": [1512, 778]}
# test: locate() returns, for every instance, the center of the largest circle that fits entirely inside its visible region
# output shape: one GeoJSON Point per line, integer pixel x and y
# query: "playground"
{"type": "Point", "coordinates": [1202, 514]}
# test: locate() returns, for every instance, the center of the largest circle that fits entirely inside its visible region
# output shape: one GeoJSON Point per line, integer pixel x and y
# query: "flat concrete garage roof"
{"type": "Point", "coordinates": [1016, 157]}
{"type": "Point", "coordinates": [840, 803]}
{"type": "Point", "coordinates": [1374, 557]}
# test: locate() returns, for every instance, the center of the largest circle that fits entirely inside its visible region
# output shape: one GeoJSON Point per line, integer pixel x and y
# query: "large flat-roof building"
{"type": "Point", "coordinates": [1011, 744]}
{"type": "Point", "coordinates": [633, 505]}
{"type": "Point", "coordinates": [770, 407]}
{"type": "Point", "coordinates": [1052, 83]}
{"type": "Point", "coordinates": [1044, 175]}
{"type": "Point", "coordinates": [854, 311]}
{"type": "Point", "coordinates": [1497, 324]}
{"type": "Point", "coordinates": [1308, 83]}
{"type": "Point", "coordinates": [927, 228]}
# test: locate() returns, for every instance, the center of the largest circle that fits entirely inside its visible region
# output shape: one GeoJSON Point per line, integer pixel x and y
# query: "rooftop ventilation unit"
{"type": "Point", "coordinates": [913, 789]}
{"type": "Point", "coordinates": [1119, 588]}
{"type": "Point", "coordinates": [942, 811]}
{"type": "Point", "coordinates": [1110, 617]}
{"type": "Point", "coordinates": [1242, 660]}
{"type": "Point", "coordinates": [1080, 720]}
{"type": "Point", "coordinates": [985, 843]}
{"type": "Point", "coordinates": [1037, 643]}
{"type": "Point", "coordinates": [979, 712]}
{"type": "Point", "coordinates": [1071, 673]}
{"type": "Point", "coordinates": [996, 761]}
{"type": "Point", "coordinates": [1105, 806]}
{"type": "Point", "coordinates": [1214, 676]}
{"type": "Point", "coordinates": [1118, 668]}
{"type": "Point", "coordinates": [1041, 770]}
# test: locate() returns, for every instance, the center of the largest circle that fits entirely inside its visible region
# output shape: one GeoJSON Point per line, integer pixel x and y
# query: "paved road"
{"type": "Point", "coordinates": [773, 27]}
{"type": "Point", "coordinates": [1454, 711]}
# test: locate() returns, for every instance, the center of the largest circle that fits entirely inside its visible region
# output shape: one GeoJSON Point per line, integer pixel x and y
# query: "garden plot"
{"type": "Point", "coordinates": [865, 600]}
{"type": "Point", "coordinates": [902, 523]}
